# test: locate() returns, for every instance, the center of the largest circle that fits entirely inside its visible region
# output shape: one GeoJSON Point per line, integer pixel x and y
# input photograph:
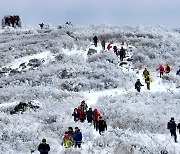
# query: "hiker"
{"type": "Point", "coordinates": [71, 132]}
{"type": "Point", "coordinates": [78, 138]}
{"type": "Point", "coordinates": [101, 126]}
{"type": "Point", "coordinates": [122, 53]}
{"type": "Point", "coordinates": [161, 70]}
{"type": "Point", "coordinates": [12, 20]}
{"type": "Point", "coordinates": [17, 20]}
{"type": "Point", "coordinates": [167, 68]}
{"type": "Point", "coordinates": [178, 127]}
{"type": "Point", "coordinates": [6, 21]}
{"type": "Point", "coordinates": [67, 140]}
{"type": "Point", "coordinates": [138, 85]}
{"type": "Point", "coordinates": [178, 72]}
{"type": "Point", "coordinates": [145, 73]}
{"type": "Point", "coordinates": [109, 46]}
{"type": "Point", "coordinates": [90, 115]}
{"type": "Point", "coordinates": [80, 112]}
{"type": "Point", "coordinates": [148, 79]}
{"type": "Point", "coordinates": [115, 50]}
{"type": "Point", "coordinates": [76, 115]}
{"type": "Point", "coordinates": [9, 21]}
{"type": "Point", "coordinates": [103, 43]}
{"type": "Point", "coordinates": [41, 25]}
{"type": "Point", "coordinates": [172, 127]}
{"type": "Point", "coordinates": [84, 108]}
{"type": "Point", "coordinates": [95, 39]}
{"type": "Point", "coordinates": [96, 115]}
{"type": "Point", "coordinates": [43, 148]}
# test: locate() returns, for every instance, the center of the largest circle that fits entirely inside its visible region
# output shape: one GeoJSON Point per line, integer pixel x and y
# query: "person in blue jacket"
{"type": "Point", "coordinates": [78, 138]}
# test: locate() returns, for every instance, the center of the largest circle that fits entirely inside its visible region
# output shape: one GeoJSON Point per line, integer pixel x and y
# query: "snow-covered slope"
{"type": "Point", "coordinates": [51, 68]}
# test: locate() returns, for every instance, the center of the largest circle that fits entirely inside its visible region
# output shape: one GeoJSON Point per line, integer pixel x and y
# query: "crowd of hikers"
{"type": "Point", "coordinates": [12, 21]}
{"type": "Point", "coordinates": [82, 113]}
{"type": "Point", "coordinates": [72, 138]}
{"type": "Point", "coordinates": [148, 78]}
{"type": "Point", "coordinates": [120, 52]}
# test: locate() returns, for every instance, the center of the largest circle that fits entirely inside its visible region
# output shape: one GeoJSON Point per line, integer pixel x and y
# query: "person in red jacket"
{"type": "Point", "coordinates": [109, 46]}
{"type": "Point", "coordinates": [80, 112]}
{"type": "Point", "coordinates": [161, 70]}
{"type": "Point", "coordinates": [96, 115]}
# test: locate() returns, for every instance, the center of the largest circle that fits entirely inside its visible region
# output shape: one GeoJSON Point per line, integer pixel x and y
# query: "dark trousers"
{"type": "Point", "coordinates": [116, 53]}
{"type": "Point", "coordinates": [121, 57]}
{"type": "Point", "coordinates": [77, 144]}
{"type": "Point", "coordinates": [95, 125]}
{"type": "Point", "coordinates": [173, 133]}
{"type": "Point", "coordinates": [161, 74]}
{"type": "Point", "coordinates": [95, 43]}
{"type": "Point", "coordinates": [138, 89]}
{"type": "Point", "coordinates": [103, 46]}
{"type": "Point", "coordinates": [101, 131]}
{"type": "Point", "coordinates": [148, 85]}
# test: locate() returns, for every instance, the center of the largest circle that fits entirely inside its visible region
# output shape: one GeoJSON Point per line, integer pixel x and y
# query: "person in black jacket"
{"type": "Point", "coordinates": [89, 115]}
{"type": "Point", "coordinates": [41, 25]}
{"type": "Point", "coordinates": [122, 53]}
{"type": "Point", "coordinates": [172, 127]}
{"type": "Point", "coordinates": [101, 126]}
{"type": "Point", "coordinates": [138, 85]}
{"type": "Point", "coordinates": [95, 40]}
{"type": "Point", "coordinates": [43, 148]}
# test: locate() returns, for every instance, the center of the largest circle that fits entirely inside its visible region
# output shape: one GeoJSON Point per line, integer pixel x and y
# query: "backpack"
{"type": "Point", "coordinates": [168, 69]}
{"type": "Point", "coordinates": [147, 78]}
{"type": "Point", "coordinates": [168, 125]}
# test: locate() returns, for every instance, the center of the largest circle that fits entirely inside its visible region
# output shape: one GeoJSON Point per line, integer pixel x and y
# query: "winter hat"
{"type": "Point", "coordinates": [66, 133]}
{"type": "Point", "coordinates": [83, 101]}
{"type": "Point", "coordinates": [70, 128]}
{"type": "Point", "coordinates": [172, 118]}
{"type": "Point", "coordinates": [43, 140]}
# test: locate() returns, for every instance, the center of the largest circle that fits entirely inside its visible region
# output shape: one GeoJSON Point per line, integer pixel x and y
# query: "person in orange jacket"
{"type": "Point", "coordinates": [167, 68]}
{"type": "Point", "coordinates": [161, 70]}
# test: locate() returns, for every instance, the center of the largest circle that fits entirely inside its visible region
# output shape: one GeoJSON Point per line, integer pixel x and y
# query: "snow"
{"type": "Point", "coordinates": [46, 55]}
{"type": "Point", "coordinates": [136, 121]}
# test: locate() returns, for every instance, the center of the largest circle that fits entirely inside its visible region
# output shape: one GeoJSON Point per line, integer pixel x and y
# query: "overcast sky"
{"type": "Point", "coordinates": [88, 12]}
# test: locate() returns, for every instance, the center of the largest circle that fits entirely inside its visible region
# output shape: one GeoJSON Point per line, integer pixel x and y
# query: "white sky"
{"type": "Point", "coordinates": [87, 12]}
